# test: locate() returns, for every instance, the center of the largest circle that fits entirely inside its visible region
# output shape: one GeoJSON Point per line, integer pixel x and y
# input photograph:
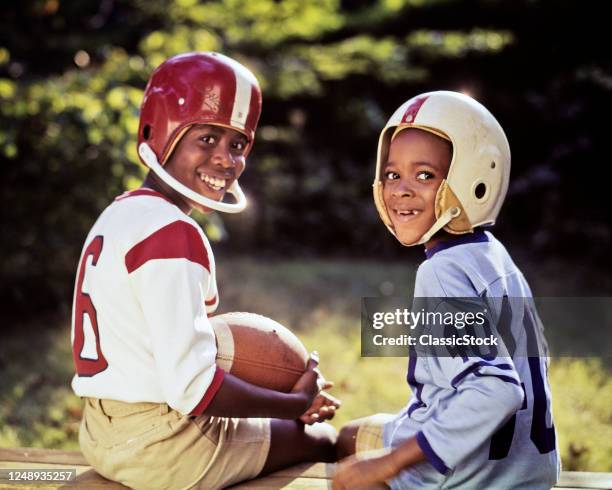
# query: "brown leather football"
{"type": "Point", "coordinates": [259, 350]}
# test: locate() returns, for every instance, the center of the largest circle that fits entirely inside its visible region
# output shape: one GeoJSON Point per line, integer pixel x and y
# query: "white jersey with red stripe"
{"type": "Point", "coordinates": [144, 289]}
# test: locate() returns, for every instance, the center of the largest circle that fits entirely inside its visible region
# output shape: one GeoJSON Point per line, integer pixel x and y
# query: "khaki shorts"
{"type": "Point", "coordinates": [369, 434]}
{"type": "Point", "coordinates": [149, 445]}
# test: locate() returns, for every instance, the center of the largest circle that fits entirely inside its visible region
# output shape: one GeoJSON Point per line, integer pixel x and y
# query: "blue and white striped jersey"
{"type": "Point", "coordinates": [483, 422]}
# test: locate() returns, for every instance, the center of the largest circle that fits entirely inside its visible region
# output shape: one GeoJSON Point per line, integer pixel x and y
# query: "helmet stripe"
{"type": "Point", "coordinates": [242, 101]}
{"type": "Point", "coordinates": [412, 110]}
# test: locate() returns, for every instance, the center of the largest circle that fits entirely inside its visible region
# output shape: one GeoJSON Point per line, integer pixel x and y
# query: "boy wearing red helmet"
{"type": "Point", "coordinates": [475, 419]}
{"type": "Point", "coordinates": [159, 413]}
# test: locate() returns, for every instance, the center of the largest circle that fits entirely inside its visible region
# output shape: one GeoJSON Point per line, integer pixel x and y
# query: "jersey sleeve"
{"type": "Point", "coordinates": [486, 391]}
{"type": "Point", "coordinates": [170, 274]}
{"type": "Point", "coordinates": [486, 394]}
{"type": "Point", "coordinates": [211, 301]}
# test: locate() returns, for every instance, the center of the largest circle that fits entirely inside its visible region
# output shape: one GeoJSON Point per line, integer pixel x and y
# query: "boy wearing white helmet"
{"type": "Point", "coordinates": [472, 421]}
{"type": "Point", "coordinates": [159, 412]}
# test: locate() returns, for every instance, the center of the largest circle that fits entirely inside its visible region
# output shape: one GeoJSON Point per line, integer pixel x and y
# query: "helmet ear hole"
{"type": "Point", "coordinates": [146, 131]}
{"type": "Point", "coordinates": [480, 190]}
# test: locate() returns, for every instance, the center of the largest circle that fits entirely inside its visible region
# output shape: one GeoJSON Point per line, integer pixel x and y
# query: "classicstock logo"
{"type": "Point", "coordinates": [485, 327]}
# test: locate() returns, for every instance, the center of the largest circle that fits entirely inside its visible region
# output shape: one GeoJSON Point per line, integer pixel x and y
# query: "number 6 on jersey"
{"type": "Point", "coordinates": [83, 305]}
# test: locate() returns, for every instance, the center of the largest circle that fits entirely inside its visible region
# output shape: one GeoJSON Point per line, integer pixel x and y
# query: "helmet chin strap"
{"type": "Point", "coordinates": [149, 157]}
{"type": "Point", "coordinates": [440, 223]}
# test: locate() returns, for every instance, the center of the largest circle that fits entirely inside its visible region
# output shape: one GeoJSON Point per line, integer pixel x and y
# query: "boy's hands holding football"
{"type": "Point", "coordinates": [320, 405]}
{"type": "Point", "coordinates": [323, 407]}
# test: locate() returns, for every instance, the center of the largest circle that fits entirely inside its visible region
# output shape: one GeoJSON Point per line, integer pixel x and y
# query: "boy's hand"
{"type": "Point", "coordinates": [365, 470]}
{"type": "Point", "coordinates": [311, 382]}
{"type": "Point", "coordinates": [323, 407]}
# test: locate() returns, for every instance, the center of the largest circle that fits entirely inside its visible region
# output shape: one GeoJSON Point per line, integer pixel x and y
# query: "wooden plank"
{"type": "Point", "coordinates": [91, 480]}
{"type": "Point", "coordinates": [319, 473]}
{"type": "Point", "coordinates": [568, 480]}
{"type": "Point", "coordinates": [86, 477]}
{"type": "Point", "coordinates": [585, 479]}
{"type": "Point", "coordinates": [37, 455]}
{"type": "Point", "coordinates": [273, 482]}
{"type": "Point", "coordinates": [309, 470]}
{"type": "Point", "coordinates": [301, 476]}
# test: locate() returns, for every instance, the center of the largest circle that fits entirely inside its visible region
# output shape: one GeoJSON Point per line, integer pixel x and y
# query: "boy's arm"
{"type": "Point", "coordinates": [169, 272]}
{"type": "Point", "coordinates": [237, 398]}
{"type": "Point", "coordinates": [486, 394]}
{"type": "Point", "coordinates": [486, 391]}
{"type": "Point", "coordinates": [184, 348]}
{"type": "Point", "coordinates": [168, 278]}
{"type": "Point", "coordinates": [367, 469]}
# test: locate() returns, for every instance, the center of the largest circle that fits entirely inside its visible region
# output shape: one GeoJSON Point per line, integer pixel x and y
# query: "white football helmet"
{"type": "Point", "coordinates": [474, 190]}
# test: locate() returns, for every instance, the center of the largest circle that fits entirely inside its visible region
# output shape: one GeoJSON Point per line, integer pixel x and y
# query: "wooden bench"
{"type": "Point", "coordinates": [300, 477]}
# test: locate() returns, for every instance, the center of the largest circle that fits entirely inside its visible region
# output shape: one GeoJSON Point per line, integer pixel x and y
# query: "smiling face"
{"type": "Point", "coordinates": [418, 162]}
{"type": "Point", "coordinates": [207, 159]}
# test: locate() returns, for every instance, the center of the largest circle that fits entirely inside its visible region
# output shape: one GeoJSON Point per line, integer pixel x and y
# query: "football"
{"type": "Point", "coordinates": [259, 350]}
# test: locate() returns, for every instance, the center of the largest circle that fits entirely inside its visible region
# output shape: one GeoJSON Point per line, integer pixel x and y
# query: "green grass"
{"type": "Point", "coordinates": [37, 406]}
{"type": "Point", "coordinates": [320, 301]}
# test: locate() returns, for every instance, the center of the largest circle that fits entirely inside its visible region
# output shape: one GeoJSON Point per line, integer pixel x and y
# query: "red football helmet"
{"type": "Point", "coordinates": [196, 88]}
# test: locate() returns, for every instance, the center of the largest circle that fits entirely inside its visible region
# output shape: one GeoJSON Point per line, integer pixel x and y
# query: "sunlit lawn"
{"type": "Point", "coordinates": [320, 300]}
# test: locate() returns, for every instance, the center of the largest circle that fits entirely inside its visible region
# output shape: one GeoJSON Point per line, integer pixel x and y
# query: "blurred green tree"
{"type": "Point", "coordinates": [72, 75]}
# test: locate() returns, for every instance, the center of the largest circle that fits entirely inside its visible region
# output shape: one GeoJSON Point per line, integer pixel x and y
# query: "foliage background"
{"type": "Point", "coordinates": [332, 71]}
{"type": "Point", "coordinates": [72, 75]}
